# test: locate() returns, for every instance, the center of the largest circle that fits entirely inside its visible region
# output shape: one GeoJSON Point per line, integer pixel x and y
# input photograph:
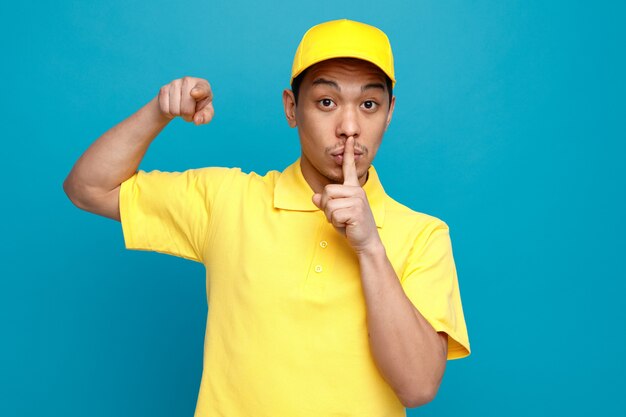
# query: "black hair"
{"type": "Point", "coordinates": [295, 86]}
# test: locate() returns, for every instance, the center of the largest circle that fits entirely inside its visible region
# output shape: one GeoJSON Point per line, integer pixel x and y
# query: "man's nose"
{"type": "Point", "coordinates": [348, 123]}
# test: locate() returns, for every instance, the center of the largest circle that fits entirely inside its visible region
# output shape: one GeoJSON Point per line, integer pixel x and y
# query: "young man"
{"type": "Point", "coordinates": [326, 297]}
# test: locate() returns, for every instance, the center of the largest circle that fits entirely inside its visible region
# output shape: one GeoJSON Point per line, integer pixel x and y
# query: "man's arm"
{"type": "Point", "coordinates": [409, 353]}
{"type": "Point", "coordinates": [94, 182]}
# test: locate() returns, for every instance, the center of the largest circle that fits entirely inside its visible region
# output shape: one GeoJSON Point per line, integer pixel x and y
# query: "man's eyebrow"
{"type": "Point", "coordinates": [373, 85]}
{"type": "Point", "coordinates": [329, 83]}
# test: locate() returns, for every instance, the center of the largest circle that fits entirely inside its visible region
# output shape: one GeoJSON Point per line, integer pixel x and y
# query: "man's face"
{"type": "Point", "coordinates": [339, 98]}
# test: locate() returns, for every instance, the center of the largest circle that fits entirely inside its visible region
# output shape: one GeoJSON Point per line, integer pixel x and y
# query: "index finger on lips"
{"type": "Point", "coordinates": [349, 166]}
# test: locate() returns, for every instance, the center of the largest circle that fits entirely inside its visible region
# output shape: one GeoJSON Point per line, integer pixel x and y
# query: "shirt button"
{"type": "Point", "coordinates": [323, 243]}
{"type": "Point", "coordinates": [318, 268]}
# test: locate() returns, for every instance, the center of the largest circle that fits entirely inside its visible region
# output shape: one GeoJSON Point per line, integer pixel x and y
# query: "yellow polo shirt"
{"type": "Point", "coordinates": [286, 329]}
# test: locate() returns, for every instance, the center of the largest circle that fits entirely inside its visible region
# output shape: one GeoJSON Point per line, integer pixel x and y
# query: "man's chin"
{"type": "Point", "coordinates": [334, 179]}
{"type": "Point", "coordinates": [338, 178]}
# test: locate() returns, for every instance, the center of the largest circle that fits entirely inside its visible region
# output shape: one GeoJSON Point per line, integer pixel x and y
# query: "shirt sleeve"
{"type": "Point", "coordinates": [169, 212]}
{"type": "Point", "coordinates": [430, 281]}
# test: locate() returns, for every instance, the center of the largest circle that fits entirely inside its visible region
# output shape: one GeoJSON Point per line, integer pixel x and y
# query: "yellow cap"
{"type": "Point", "coordinates": [343, 39]}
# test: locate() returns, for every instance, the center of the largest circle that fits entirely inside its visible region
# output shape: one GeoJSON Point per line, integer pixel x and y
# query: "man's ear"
{"type": "Point", "coordinates": [390, 113]}
{"type": "Point", "coordinates": [289, 102]}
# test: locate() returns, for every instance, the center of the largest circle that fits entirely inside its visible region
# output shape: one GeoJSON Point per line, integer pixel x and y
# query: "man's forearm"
{"type": "Point", "coordinates": [409, 353]}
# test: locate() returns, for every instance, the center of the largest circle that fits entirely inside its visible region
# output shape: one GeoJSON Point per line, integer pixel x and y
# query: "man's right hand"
{"type": "Point", "coordinates": [94, 182]}
{"type": "Point", "coordinates": [189, 97]}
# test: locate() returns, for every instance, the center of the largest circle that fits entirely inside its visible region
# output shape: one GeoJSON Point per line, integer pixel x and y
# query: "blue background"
{"type": "Point", "coordinates": [509, 126]}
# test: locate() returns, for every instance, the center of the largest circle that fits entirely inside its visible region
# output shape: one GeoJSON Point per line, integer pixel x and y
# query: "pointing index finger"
{"type": "Point", "coordinates": [201, 91]}
{"type": "Point", "coordinates": [203, 96]}
{"type": "Point", "coordinates": [349, 166]}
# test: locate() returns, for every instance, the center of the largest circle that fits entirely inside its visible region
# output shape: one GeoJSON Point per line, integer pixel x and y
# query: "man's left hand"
{"type": "Point", "coordinates": [347, 208]}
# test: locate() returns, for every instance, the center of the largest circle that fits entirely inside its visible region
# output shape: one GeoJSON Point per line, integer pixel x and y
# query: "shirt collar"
{"type": "Point", "coordinates": [292, 192]}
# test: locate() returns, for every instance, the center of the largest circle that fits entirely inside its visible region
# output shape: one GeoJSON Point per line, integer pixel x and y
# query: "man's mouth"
{"type": "Point", "coordinates": [338, 158]}
{"type": "Point", "coordinates": [337, 152]}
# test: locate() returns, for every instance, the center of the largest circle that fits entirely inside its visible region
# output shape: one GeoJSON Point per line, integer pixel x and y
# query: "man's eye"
{"type": "Point", "coordinates": [326, 102]}
{"type": "Point", "coordinates": [370, 105]}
